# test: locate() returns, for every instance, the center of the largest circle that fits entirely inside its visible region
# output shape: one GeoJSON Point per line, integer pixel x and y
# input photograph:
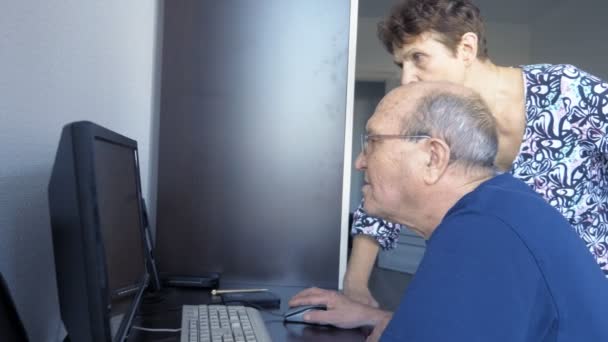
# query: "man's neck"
{"type": "Point", "coordinates": [444, 195]}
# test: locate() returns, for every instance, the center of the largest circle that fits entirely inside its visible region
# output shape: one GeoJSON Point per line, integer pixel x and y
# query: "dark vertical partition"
{"type": "Point", "coordinates": [252, 139]}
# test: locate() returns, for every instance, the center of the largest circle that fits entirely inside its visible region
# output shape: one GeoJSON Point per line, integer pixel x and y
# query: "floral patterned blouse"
{"type": "Point", "coordinates": [563, 156]}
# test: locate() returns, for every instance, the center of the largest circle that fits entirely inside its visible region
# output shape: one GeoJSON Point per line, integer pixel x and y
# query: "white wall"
{"type": "Point", "coordinates": [573, 33]}
{"type": "Point", "coordinates": [62, 61]}
{"type": "Point", "coordinates": [508, 44]}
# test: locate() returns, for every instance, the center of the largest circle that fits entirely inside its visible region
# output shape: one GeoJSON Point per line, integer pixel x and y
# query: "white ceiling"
{"type": "Point", "coordinates": [506, 11]}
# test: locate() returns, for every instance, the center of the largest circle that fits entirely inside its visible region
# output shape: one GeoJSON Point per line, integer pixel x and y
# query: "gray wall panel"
{"type": "Point", "coordinates": [252, 139]}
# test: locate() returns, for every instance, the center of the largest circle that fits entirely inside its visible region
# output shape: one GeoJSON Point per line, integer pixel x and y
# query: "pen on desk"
{"type": "Point", "coordinates": [216, 292]}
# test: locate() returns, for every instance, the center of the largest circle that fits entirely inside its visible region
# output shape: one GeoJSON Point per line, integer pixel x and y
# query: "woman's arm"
{"type": "Point", "coordinates": [362, 259]}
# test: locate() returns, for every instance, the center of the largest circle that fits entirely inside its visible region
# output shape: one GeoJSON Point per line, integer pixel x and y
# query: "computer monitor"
{"type": "Point", "coordinates": [96, 218]}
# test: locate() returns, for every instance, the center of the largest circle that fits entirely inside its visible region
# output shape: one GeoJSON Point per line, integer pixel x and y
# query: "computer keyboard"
{"type": "Point", "coordinates": [222, 323]}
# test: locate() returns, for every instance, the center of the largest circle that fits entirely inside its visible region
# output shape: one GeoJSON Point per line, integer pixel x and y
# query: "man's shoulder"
{"type": "Point", "coordinates": [504, 206]}
{"type": "Point", "coordinates": [476, 225]}
{"type": "Point", "coordinates": [501, 197]}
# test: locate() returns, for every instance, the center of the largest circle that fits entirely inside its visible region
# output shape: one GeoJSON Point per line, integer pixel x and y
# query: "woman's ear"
{"type": "Point", "coordinates": [438, 159]}
{"type": "Point", "coordinates": [467, 49]}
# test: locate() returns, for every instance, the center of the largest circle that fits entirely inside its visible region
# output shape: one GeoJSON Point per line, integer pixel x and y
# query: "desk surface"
{"type": "Point", "coordinates": [164, 311]}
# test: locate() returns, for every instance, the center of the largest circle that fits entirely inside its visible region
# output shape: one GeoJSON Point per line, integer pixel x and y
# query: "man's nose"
{"type": "Point", "coordinates": [360, 162]}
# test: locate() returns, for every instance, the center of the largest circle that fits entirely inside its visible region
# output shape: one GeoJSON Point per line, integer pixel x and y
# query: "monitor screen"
{"type": "Point", "coordinates": [120, 219]}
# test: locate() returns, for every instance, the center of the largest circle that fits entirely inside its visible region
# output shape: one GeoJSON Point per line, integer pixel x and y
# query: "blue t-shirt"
{"type": "Point", "coordinates": [503, 265]}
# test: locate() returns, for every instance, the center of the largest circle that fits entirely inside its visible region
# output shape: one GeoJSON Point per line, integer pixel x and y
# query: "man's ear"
{"type": "Point", "coordinates": [438, 159]}
{"type": "Point", "coordinates": [467, 49]}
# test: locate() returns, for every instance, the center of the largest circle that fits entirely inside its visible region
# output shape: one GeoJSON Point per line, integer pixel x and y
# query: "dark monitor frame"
{"type": "Point", "coordinates": [80, 260]}
{"type": "Point", "coordinates": [11, 326]}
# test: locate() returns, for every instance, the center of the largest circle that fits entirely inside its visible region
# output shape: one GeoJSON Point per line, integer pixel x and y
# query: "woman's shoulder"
{"type": "Point", "coordinates": [550, 69]}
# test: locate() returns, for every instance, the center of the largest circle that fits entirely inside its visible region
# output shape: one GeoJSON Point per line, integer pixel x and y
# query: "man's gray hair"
{"type": "Point", "coordinates": [463, 121]}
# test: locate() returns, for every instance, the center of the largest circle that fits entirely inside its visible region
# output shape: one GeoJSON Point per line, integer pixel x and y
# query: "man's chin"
{"type": "Point", "coordinates": [374, 210]}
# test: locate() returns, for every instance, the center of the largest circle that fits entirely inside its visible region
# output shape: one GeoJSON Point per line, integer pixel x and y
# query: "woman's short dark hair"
{"type": "Point", "coordinates": [451, 19]}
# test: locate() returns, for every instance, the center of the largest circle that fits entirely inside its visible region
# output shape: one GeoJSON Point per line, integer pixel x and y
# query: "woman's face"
{"type": "Point", "coordinates": [427, 59]}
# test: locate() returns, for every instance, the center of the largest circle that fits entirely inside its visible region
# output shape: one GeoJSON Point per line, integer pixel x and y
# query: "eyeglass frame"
{"type": "Point", "coordinates": [366, 137]}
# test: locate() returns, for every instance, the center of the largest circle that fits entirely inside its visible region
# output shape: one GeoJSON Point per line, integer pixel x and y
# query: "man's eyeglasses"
{"type": "Point", "coordinates": [366, 138]}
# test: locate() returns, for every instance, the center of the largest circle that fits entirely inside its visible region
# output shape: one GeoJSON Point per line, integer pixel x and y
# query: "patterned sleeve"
{"type": "Point", "coordinates": [386, 233]}
{"type": "Point", "coordinates": [590, 109]}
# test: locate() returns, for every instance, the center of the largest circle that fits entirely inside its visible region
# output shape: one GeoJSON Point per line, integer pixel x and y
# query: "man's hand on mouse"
{"type": "Point", "coordinates": [341, 312]}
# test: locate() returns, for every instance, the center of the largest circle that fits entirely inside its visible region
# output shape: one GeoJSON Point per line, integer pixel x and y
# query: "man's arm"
{"type": "Point", "coordinates": [362, 259]}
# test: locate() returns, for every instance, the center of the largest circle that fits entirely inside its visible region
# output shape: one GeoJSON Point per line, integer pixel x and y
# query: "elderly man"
{"type": "Point", "coordinates": [492, 270]}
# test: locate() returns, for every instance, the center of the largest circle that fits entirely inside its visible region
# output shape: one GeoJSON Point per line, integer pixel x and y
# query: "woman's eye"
{"type": "Point", "coordinates": [417, 57]}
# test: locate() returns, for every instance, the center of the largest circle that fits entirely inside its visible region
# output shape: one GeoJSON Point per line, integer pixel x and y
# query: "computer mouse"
{"type": "Point", "coordinates": [296, 314]}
